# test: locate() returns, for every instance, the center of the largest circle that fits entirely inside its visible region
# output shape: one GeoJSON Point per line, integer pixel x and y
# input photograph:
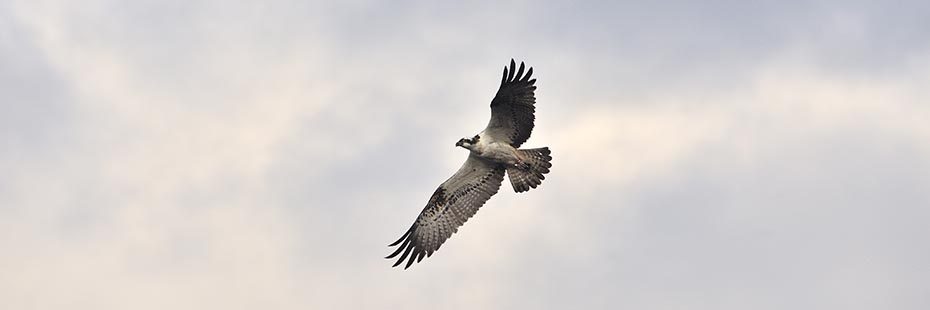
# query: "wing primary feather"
{"type": "Point", "coordinates": [513, 66]}
{"type": "Point", "coordinates": [504, 78]}
{"type": "Point", "coordinates": [519, 75]}
{"type": "Point", "coordinates": [400, 248]}
{"type": "Point", "coordinates": [412, 258]}
{"type": "Point", "coordinates": [403, 256]}
{"type": "Point", "coordinates": [420, 257]}
{"type": "Point", "coordinates": [529, 73]}
{"type": "Point", "coordinates": [404, 236]}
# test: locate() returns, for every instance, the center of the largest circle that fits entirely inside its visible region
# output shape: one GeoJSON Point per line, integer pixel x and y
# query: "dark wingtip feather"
{"type": "Point", "coordinates": [529, 73]}
{"type": "Point", "coordinates": [402, 237]}
{"type": "Point", "coordinates": [413, 257]}
{"type": "Point", "coordinates": [403, 256]}
{"type": "Point", "coordinates": [400, 248]}
{"type": "Point", "coordinates": [504, 77]}
{"type": "Point", "coordinates": [519, 74]}
{"type": "Point", "coordinates": [513, 66]}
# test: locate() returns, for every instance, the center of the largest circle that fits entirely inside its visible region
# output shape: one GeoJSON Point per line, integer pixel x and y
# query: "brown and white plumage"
{"type": "Point", "coordinates": [493, 152]}
{"type": "Point", "coordinates": [453, 203]}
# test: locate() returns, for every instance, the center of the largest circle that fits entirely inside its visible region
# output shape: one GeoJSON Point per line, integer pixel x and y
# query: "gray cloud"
{"type": "Point", "coordinates": [195, 155]}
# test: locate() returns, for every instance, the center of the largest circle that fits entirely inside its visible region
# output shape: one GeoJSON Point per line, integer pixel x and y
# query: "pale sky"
{"type": "Point", "coordinates": [217, 155]}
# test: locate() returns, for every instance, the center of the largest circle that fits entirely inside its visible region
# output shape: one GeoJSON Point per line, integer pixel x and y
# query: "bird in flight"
{"type": "Point", "coordinates": [492, 152]}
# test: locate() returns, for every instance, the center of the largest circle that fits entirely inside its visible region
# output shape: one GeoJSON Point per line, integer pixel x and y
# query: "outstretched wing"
{"type": "Point", "coordinates": [453, 203]}
{"type": "Point", "coordinates": [513, 107]}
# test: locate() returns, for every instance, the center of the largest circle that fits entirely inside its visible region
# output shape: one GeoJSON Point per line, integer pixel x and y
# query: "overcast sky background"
{"type": "Point", "coordinates": [224, 155]}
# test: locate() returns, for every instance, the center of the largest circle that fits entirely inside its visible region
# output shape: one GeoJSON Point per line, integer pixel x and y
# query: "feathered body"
{"type": "Point", "coordinates": [495, 151]}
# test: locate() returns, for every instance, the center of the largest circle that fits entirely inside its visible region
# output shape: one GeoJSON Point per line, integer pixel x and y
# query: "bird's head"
{"type": "Point", "coordinates": [467, 142]}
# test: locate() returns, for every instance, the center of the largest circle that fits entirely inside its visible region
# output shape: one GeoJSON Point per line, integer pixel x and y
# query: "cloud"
{"type": "Point", "coordinates": [194, 155]}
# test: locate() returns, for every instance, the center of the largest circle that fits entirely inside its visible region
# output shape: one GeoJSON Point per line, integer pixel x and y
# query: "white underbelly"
{"type": "Point", "coordinates": [498, 152]}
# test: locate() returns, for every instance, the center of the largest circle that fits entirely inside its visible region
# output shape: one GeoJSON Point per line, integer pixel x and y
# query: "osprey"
{"type": "Point", "coordinates": [492, 152]}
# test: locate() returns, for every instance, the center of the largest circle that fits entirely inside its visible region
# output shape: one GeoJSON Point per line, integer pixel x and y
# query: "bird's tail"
{"type": "Point", "coordinates": [531, 173]}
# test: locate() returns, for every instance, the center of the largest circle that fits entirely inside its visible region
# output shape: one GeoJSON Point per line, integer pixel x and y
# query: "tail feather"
{"type": "Point", "coordinates": [536, 164]}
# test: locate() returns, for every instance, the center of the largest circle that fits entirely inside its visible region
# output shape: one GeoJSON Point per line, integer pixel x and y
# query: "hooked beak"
{"type": "Point", "coordinates": [459, 143]}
